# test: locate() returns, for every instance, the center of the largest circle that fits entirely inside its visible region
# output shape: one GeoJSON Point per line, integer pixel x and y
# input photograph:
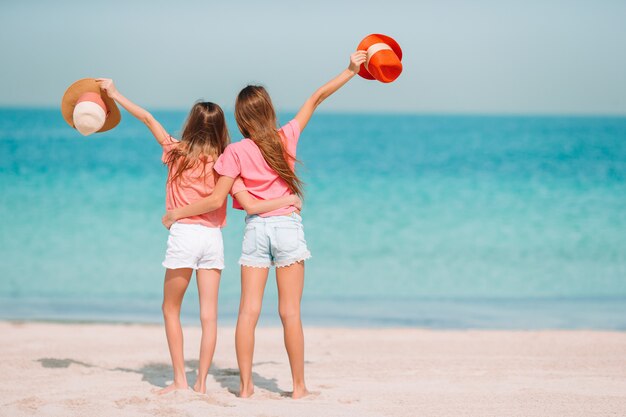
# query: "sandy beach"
{"type": "Point", "coordinates": [112, 370]}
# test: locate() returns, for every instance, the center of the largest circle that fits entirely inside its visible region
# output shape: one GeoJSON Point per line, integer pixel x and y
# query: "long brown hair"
{"type": "Point", "coordinates": [256, 120]}
{"type": "Point", "coordinates": [204, 136]}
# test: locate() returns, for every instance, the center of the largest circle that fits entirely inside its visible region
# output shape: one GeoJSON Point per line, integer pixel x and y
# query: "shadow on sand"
{"type": "Point", "coordinates": [160, 374]}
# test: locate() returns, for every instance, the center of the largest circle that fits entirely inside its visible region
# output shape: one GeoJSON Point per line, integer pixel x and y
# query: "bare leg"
{"type": "Point", "coordinates": [252, 287]}
{"type": "Point", "coordinates": [290, 280]}
{"type": "Point", "coordinates": [176, 282]}
{"type": "Point", "coordinates": [208, 285]}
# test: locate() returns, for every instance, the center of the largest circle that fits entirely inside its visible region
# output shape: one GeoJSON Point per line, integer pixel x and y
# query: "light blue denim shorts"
{"type": "Point", "coordinates": [274, 240]}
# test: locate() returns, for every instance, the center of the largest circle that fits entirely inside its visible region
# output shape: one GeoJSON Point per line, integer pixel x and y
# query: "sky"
{"type": "Point", "coordinates": [474, 57]}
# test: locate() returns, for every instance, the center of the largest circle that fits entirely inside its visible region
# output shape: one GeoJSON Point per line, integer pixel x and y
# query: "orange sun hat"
{"type": "Point", "coordinates": [384, 58]}
{"type": "Point", "coordinates": [88, 109]}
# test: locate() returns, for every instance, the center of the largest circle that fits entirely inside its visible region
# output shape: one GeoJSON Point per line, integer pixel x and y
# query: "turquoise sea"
{"type": "Point", "coordinates": [431, 221]}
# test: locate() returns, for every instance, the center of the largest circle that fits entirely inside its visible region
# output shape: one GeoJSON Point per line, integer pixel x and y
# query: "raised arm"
{"type": "Point", "coordinates": [255, 206]}
{"type": "Point", "coordinates": [322, 93]}
{"type": "Point", "coordinates": [207, 204]}
{"type": "Point", "coordinates": [160, 134]}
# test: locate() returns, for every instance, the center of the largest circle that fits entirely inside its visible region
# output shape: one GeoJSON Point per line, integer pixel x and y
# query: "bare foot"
{"type": "Point", "coordinates": [246, 392]}
{"type": "Point", "coordinates": [200, 387]}
{"type": "Point", "coordinates": [299, 392]}
{"type": "Point", "coordinates": [174, 387]}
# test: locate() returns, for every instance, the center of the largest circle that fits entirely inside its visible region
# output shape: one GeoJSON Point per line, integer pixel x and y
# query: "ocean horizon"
{"type": "Point", "coordinates": [438, 221]}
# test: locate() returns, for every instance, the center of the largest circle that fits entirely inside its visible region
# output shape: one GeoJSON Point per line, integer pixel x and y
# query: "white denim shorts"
{"type": "Point", "coordinates": [274, 240]}
{"type": "Point", "coordinates": [194, 246]}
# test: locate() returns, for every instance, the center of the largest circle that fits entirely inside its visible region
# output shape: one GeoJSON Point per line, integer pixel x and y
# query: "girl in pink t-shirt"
{"type": "Point", "coordinates": [194, 243]}
{"type": "Point", "coordinates": [265, 161]}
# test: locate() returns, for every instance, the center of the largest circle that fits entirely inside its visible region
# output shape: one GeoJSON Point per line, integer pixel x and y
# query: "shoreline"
{"type": "Point", "coordinates": [112, 369]}
{"type": "Point", "coordinates": [276, 325]}
{"type": "Point", "coordinates": [455, 314]}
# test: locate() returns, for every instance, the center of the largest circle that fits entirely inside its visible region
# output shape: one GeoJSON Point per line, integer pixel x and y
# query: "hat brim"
{"type": "Point", "coordinates": [86, 85]}
{"type": "Point", "coordinates": [370, 40]}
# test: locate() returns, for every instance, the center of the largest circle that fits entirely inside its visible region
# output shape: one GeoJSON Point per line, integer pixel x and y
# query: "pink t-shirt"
{"type": "Point", "coordinates": [194, 184]}
{"type": "Point", "coordinates": [244, 159]}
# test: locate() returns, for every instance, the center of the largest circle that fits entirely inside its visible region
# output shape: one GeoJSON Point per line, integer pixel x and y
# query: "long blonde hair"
{"type": "Point", "coordinates": [256, 120]}
{"type": "Point", "coordinates": [204, 136]}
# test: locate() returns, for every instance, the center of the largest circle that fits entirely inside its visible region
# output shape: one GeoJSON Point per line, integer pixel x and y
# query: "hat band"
{"type": "Point", "coordinates": [373, 49]}
{"type": "Point", "coordinates": [94, 98]}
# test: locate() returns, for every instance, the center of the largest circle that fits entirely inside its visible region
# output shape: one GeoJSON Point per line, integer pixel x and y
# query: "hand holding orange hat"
{"type": "Point", "coordinates": [88, 109]}
{"type": "Point", "coordinates": [384, 58]}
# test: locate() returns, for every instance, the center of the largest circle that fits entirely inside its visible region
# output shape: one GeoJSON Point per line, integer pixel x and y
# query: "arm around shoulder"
{"type": "Point", "coordinates": [205, 205]}
{"type": "Point", "coordinates": [254, 206]}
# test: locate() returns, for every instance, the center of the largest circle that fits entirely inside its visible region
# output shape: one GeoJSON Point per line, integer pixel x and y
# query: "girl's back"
{"type": "Point", "coordinates": [245, 159]}
{"type": "Point", "coordinates": [192, 184]}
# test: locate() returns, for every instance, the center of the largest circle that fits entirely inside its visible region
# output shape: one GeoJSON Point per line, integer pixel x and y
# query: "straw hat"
{"type": "Point", "coordinates": [384, 58]}
{"type": "Point", "coordinates": [88, 109]}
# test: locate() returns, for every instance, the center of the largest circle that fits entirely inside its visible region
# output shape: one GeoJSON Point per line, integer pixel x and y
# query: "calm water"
{"type": "Point", "coordinates": [445, 222]}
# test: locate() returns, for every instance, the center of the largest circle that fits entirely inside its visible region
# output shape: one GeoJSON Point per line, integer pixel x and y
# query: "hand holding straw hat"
{"type": "Point", "coordinates": [384, 58]}
{"type": "Point", "coordinates": [88, 109]}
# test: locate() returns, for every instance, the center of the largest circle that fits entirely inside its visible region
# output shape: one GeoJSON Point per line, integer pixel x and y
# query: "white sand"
{"type": "Point", "coordinates": [111, 370]}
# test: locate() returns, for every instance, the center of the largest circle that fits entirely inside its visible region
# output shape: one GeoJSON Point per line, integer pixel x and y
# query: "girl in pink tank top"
{"type": "Point", "coordinates": [194, 243]}
{"type": "Point", "coordinates": [265, 161]}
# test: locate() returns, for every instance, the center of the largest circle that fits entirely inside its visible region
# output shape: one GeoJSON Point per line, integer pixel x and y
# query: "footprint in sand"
{"type": "Point", "coordinates": [349, 400]}
{"type": "Point", "coordinates": [212, 401]}
{"type": "Point", "coordinates": [131, 401]}
{"type": "Point", "coordinates": [166, 412]}
{"type": "Point", "coordinates": [30, 403]}
{"type": "Point", "coordinates": [76, 402]}
{"type": "Point", "coordinates": [186, 395]}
